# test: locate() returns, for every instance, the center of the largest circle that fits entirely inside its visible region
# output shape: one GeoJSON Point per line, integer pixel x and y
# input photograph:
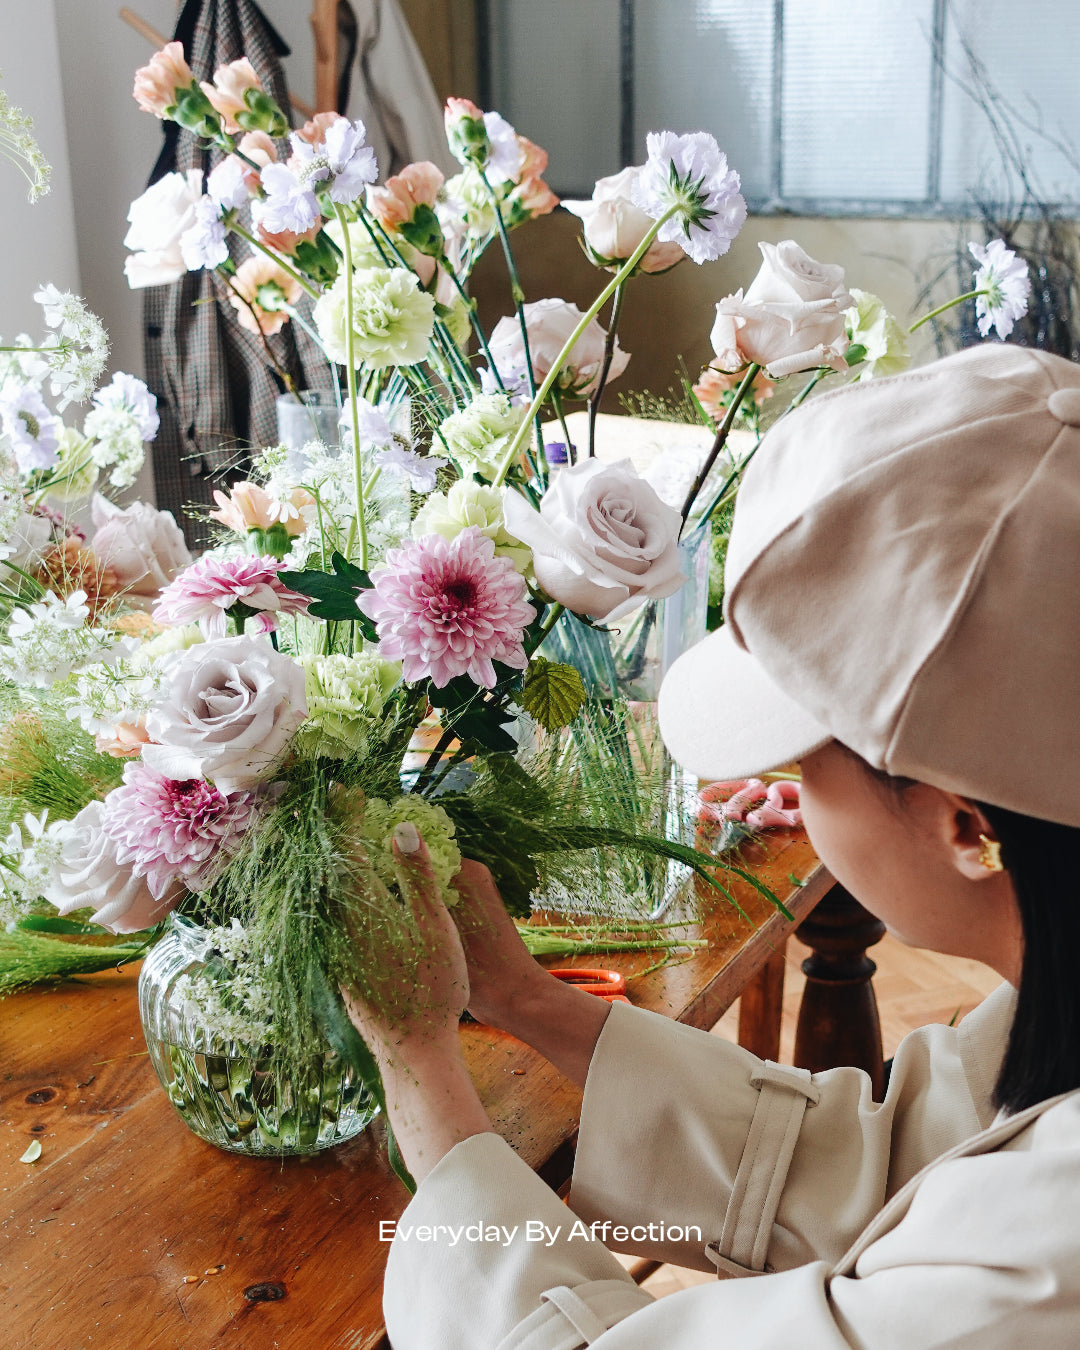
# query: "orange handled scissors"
{"type": "Point", "coordinates": [606, 984]}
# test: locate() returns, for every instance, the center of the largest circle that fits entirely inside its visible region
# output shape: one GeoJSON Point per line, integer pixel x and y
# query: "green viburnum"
{"type": "Point", "coordinates": [435, 828]}
{"type": "Point", "coordinates": [393, 318]}
{"type": "Point", "coordinates": [345, 697]}
{"type": "Point", "coordinates": [477, 436]}
{"type": "Point", "coordinates": [469, 503]}
{"type": "Point", "coordinates": [874, 331]}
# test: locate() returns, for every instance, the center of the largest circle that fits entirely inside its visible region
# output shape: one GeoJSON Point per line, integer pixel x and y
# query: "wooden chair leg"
{"type": "Point", "coordinates": [761, 1008]}
{"type": "Point", "coordinates": [838, 1020]}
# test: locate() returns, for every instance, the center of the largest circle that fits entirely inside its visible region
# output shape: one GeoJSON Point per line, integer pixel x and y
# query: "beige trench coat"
{"type": "Point", "coordinates": [922, 1221]}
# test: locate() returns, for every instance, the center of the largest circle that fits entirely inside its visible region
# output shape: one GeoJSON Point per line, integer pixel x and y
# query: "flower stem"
{"type": "Point", "coordinates": [949, 304]}
{"type": "Point", "coordinates": [720, 439]}
{"type": "Point", "coordinates": [274, 257]}
{"type": "Point", "coordinates": [560, 413]}
{"type": "Point", "coordinates": [609, 352]}
{"type": "Point", "coordinates": [350, 376]}
{"type": "Point", "coordinates": [590, 314]}
{"type": "Point", "coordinates": [478, 327]}
{"type": "Point", "coordinates": [549, 623]}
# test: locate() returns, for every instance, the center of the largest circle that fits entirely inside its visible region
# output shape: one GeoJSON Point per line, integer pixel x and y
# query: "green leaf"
{"type": "Point", "coordinates": [553, 693]}
{"type": "Point", "coordinates": [795, 881]}
{"type": "Point", "coordinates": [32, 1154]}
{"type": "Point", "coordinates": [334, 593]}
{"type": "Point", "coordinates": [45, 923]}
{"type": "Point", "coordinates": [332, 1019]}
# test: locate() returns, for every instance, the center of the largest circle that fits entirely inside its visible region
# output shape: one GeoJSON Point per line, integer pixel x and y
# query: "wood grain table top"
{"type": "Point", "coordinates": [129, 1231]}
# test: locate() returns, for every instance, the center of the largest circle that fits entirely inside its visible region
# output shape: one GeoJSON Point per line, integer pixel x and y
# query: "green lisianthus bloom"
{"type": "Point", "coordinates": [345, 697]}
{"type": "Point", "coordinates": [871, 327]}
{"type": "Point", "coordinates": [469, 503]}
{"type": "Point", "coordinates": [477, 436]}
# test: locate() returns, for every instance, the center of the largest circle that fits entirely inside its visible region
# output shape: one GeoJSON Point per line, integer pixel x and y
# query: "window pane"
{"type": "Point", "coordinates": [856, 99]}
{"type": "Point", "coordinates": [1031, 63]}
{"type": "Point", "coordinates": [706, 65]}
{"type": "Point", "coordinates": [555, 76]}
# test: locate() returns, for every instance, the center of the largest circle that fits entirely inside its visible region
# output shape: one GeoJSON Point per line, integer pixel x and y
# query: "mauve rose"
{"type": "Point", "coordinates": [233, 705]}
{"type": "Point", "coordinates": [88, 875]}
{"type": "Point", "coordinates": [614, 226]}
{"type": "Point", "coordinates": [549, 323]}
{"type": "Point", "coordinates": [791, 318]}
{"type": "Point", "coordinates": [145, 548]}
{"type": "Point", "coordinates": [603, 541]}
{"type": "Point", "coordinates": [158, 218]}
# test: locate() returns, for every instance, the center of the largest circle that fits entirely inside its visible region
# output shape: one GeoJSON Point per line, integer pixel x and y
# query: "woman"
{"type": "Point", "coordinates": [902, 617]}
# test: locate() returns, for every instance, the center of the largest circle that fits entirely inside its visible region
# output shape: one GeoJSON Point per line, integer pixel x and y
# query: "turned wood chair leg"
{"type": "Point", "coordinates": [838, 1020]}
{"type": "Point", "coordinates": [761, 1008]}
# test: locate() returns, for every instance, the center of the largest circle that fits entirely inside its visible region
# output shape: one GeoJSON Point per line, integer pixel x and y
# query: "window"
{"type": "Point", "coordinates": [824, 106]}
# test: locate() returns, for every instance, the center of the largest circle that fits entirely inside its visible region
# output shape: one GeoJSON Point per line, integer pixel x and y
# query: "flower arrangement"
{"type": "Point", "coordinates": [250, 751]}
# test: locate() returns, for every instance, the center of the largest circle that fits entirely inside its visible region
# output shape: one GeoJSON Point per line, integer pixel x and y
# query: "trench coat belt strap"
{"type": "Point", "coordinates": [785, 1093]}
{"type": "Point", "coordinates": [576, 1311]}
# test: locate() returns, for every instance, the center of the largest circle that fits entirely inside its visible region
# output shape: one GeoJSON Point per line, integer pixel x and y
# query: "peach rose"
{"type": "Point", "coordinates": [125, 740]}
{"type": "Point", "coordinates": [396, 201]}
{"type": "Point", "coordinates": [249, 506]}
{"type": "Point", "coordinates": [156, 83]}
{"type": "Point", "coordinates": [231, 83]}
{"type": "Point", "coordinates": [260, 291]}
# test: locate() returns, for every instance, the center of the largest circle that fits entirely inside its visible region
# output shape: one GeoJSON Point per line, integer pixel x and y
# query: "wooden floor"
{"type": "Point", "coordinates": [914, 988]}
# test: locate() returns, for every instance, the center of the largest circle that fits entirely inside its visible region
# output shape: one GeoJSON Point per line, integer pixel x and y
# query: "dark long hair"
{"type": "Point", "coordinates": [1043, 1054]}
{"type": "Point", "coordinates": [1042, 1057]}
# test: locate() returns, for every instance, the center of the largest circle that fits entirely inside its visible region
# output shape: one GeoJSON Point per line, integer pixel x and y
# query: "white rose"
{"type": "Point", "coordinates": [88, 875]}
{"type": "Point", "coordinates": [231, 708]}
{"type": "Point", "coordinates": [614, 226]}
{"type": "Point", "coordinates": [158, 218]}
{"type": "Point", "coordinates": [145, 548]}
{"type": "Point", "coordinates": [602, 541]}
{"type": "Point", "coordinates": [791, 318]}
{"type": "Point", "coordinates": [549, 324]}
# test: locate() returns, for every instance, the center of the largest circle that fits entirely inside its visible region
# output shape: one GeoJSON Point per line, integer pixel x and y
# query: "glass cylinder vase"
{"type": "Point", "coordinates": [311, 415]}
{"type": "Point", "coordinates": [226, 1086]}
{"type": "Point", "coordinates": [616, 737]}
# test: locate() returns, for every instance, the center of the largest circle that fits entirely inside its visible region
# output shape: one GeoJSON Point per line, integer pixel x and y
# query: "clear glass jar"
{"type": "Point", "coordinates": [226, 1090]}
{"type": "Point", "coordinates": [313, 415]}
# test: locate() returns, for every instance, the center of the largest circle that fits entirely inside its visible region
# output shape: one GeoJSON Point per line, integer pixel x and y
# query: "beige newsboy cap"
{"type": "Point", "coordinates": [904, 576]}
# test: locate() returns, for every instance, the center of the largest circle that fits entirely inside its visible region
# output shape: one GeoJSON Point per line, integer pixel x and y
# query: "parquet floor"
{"type": "Point", "coordinates": [913, 987]}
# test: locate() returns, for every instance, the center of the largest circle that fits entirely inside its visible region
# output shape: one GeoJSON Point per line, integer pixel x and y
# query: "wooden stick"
{"type": "Point", "coordinates": [157, 39]}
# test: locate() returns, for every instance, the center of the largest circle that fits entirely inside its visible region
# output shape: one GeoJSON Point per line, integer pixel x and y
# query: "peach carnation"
{"type": "Point", "coordinates": [231, 83]}
{"type": "Point", "coordinates": [260, 291]}
{"type": "Point", "coordinates": [714, 384]}
{"type": "Point", "coordinates": [396, 201]}
{"type": "Point", "coordinates": [156, 82]}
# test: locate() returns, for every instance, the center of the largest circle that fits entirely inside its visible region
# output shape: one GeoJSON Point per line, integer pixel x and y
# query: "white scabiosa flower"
{"type": "Point", "coordinates": [1002, 278]}
{"type": "Point", "coordinates": [691, 173]}
{"type": "Point", "coordinates": [32, 429]}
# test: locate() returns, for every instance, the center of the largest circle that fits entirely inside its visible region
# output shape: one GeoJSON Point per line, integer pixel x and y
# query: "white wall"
{"type": "Point", "coordinates": [37, 242]}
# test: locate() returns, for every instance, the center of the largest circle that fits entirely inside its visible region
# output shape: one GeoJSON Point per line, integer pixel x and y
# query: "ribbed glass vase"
{"type": "Point", "coordinates": [226, 1089]}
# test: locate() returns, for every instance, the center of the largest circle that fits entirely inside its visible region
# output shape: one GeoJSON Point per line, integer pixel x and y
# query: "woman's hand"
{"type": "Point", "coordinates": [509, 989]}
{"type": "Point", "coordinates": [502, 975]}
{"type": "Point", "coordinates": [410, 1021]}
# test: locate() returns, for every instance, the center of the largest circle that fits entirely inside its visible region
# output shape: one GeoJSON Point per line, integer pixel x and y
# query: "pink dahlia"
{"type": "Point", "coordinates": [449, 607]}
{"type": "Point", "coordinates": [167, 830]}
{"type": "Point", "coordinates": [205, 590]}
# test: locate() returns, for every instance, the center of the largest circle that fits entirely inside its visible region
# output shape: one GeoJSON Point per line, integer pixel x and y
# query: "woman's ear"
{"type": "Point", "coordinates": [975, 850]}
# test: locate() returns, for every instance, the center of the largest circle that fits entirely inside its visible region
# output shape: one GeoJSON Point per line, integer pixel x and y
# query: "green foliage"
{"type": "Point", "coordinates": [28, 958]}
{"type": "Point", "coordinates": [553, 694]}
{"type": "Point", "coordinates": [334, 593]}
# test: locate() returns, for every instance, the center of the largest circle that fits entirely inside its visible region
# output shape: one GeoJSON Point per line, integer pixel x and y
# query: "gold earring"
{"type": "Point", "coordinates": [990, 854]}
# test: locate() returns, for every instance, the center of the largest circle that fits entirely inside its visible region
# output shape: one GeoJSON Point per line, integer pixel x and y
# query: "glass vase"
{"type": "Point", "coordinates": [313, 415]}
{"type": "Point", "coordinates": [226, 1089]}
{"type": "Point", "coordinates": [617, 738]}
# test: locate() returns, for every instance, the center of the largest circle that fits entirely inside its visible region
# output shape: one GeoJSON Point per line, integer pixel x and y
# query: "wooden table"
{"type": "Point", "coordinates": [131, 1232]}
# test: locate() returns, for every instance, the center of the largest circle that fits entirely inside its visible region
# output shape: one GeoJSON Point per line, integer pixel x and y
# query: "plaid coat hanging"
{"type": "Point", "coordinates": [214, 386]}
